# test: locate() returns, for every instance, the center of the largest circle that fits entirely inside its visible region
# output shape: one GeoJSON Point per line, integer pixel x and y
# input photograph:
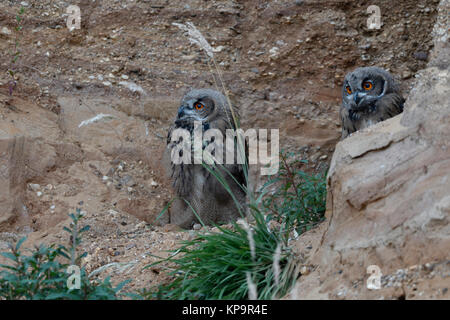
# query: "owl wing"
{"type": "Point", "coordinates": [348, 126]}
{"type": "Point", "coordinates": [179, 174]}
{"type": "Point", "coordinates": [389, 106]}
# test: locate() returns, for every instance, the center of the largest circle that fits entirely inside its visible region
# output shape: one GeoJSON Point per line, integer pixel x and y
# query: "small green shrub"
{"type": "Point", "coordinates": [215, 265]}
{"type": "Point", "coordinates": [299, 199]}
{"type": "Point", "coordinates": [42, 275]}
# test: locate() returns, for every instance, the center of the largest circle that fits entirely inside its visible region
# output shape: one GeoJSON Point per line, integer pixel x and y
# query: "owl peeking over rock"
{"type": "Point", "coordinates": [369, 95]}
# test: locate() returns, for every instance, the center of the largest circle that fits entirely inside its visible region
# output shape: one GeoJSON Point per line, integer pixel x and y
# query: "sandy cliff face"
{"type": "Point", "coordinates": [389, 197]}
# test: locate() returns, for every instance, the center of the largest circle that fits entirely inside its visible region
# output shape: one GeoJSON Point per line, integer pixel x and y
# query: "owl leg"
{"type": "Point", "coordinates": [181, 215]}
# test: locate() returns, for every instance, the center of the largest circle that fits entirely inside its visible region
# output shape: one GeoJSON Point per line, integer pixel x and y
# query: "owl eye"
{"type": "Point", "coordinates": [198, 106]}
{"type": "Point", "coordinates": [367, 85]}
{"type": "Point", "coordinates": [349, 90]}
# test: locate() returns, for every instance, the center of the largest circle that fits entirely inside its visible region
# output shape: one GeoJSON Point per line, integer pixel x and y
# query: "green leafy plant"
{"type": "Point", "coordinates": [42, 274]}
{"type": "Point", "coordinates": [16, 53]}
{"type": "Point", "coordinates": [216, 265]}
{"type": "Point", "coordinates": [298, 201]}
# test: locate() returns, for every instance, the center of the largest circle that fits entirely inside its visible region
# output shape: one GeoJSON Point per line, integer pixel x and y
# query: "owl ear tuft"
{"type": "Point", "coordinates": [385, 85]}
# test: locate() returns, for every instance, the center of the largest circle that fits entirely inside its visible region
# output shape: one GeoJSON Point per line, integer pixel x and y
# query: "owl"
{"type": "Point", "coordinates": [199, 194]}
{"type": "Point", "coordinates": [369, 95]}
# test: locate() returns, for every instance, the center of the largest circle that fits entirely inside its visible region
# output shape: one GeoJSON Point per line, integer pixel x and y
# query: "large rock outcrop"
{"type": "Point", "coordinates": [389, 197]}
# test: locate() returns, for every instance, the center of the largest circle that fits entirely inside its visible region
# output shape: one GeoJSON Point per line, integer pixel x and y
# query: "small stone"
{"type": "Point", "coordinates": [39, 194]}
{"type": "Point", "coordinates": [365, 46]}
{"type": "Point", "coordinates": [124, 77]}
{"type": "Point", "coordinates": [274, 51]}
{"type": "Point", "coordinates": [197, 226]}
{"type": "Point", "coordinates": [127, 181]}
{"type": "Point", "coordinates": [112, 212]}
{"type": "Point", "coordinates": [5, 31]}
{"type": "Point", "coordinates": [218, 49]}
{"type": "Point", "coordinates": [34, 186]}
{"type": "Point", "coordinates": [141, 225]}
{"type": "Point", "coordinates": [304, 270]}
{"type": "Point", "coordinates": [406, 74]}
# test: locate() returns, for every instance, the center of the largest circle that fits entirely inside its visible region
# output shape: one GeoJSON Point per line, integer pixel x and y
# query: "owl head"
{"type": "Point", "coordinates": [204, 105]}
{"type": "Point", "coordinates": [363, 87]}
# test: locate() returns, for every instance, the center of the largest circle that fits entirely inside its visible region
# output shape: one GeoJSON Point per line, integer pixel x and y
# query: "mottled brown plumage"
{"type": "Point", "coordinates": [369, 95]}
{"type": "Point", "coordinates": [194, 186]}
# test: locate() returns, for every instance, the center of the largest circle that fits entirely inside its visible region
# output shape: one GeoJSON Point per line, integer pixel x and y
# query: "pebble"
{"type": "Point", "coordinates": [197, 226]}
{"type": "Point", "coordinates": [274, 51]}
{"type": "Point", "coordinates": [406, 74]}
{"type": "Point", "coordinates": [421, 55]}
{"type": "Point", "coordinates": [304, 270]}
{"type": "Point", "coordinates": [5, 31]}
{"type": "Point", "coordinates": [218, 49]}
{"type": "Point", "coordinates": [34, 186]}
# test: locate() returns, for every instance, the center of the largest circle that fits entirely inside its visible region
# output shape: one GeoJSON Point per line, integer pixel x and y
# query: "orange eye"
{"type": "Point", "coordinates": [198, 106]}
{"type": "Point", "coordinates": [367, 85]}
{"type": "Point", "coordinates": [349, 90]}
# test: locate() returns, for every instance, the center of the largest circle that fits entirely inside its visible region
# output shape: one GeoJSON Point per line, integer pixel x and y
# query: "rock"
{"type": "Point", "coordinates": [406, 74]}
{"type": "Point", "coordinates": [197, 226]}
{"type": "Point", "coordinates": [35, 187]}
{"type": "Point", "coordinates": [421, 55]}
{"type": "Point", "coordinates": [5, 31]}
{"type": "Point", "coordinates": [127, 181]}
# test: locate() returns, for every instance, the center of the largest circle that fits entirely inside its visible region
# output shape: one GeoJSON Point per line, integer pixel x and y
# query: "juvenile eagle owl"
{"type": "Point", "coordinates": [195, 187]}
{"type": "Point", "coordinates": [369, 95]}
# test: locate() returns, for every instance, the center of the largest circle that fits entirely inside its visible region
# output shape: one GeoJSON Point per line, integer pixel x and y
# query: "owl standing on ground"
{"type": "Point", "coordinates": [369, 95]}
{"type": "Point", "coordinates": [195, 187]}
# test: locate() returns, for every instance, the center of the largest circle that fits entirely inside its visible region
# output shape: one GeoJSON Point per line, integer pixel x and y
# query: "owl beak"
{"type": "Point", "coordinates": [357, 97]}
{"type": "Point", "coordinates": [181, 112]}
